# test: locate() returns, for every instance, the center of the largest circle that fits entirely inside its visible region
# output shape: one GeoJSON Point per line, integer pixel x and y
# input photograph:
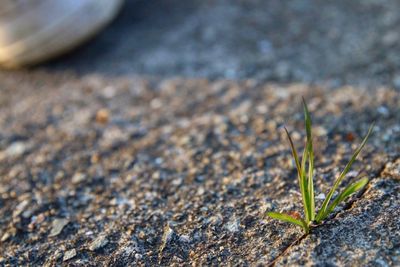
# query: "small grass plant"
{"type": "Point", "coordinates": [305, 173]}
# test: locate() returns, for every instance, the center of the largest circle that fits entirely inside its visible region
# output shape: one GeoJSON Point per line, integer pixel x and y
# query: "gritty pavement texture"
{"type": "Point", "coordinates": [161, 142]}
{"type": "Point", "coordinates": [366, 235]}
{"type": "Point", "coordinates": [181, 171]}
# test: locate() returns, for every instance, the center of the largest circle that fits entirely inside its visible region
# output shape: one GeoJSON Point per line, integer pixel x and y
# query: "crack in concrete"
{"type": "Point", "coordinates": [294, 243]}
{"type": "Point", "coordinates": [348, 206]}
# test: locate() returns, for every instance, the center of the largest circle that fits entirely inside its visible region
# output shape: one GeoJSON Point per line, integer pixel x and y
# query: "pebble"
{"type": "Point", "coordinates": [69, 254]}
{"type": "Point", "coordinates": [232, 226]}
{"type": "Point", "coordinates": [102, 116]}
{"type": "Point", "coordinates": [98, 243]}
{"type": "Point", "coordinates": [167, 236]}
{"type": "Point", "coordinates": [109, 92]}
{"type": "Point", "coordinates": [5, 237]}
{"type": "Point", "coordinates": [35, 220]}
{"type": "Point", "coordinates": [27, 213]}
{"type": "Point", "coordinates": [89, 233]}
{"type": "Point", "coordinates": [57, 226]}
{"type": "Point", "coordinates": [78, 178]}
{"type": "Point", "coordinates": [200, 191]}
{"type": "Point", "coordinates": [16, 149]}
{"type": "Point", "coordinates": [20, 207]}
{"type": "Point", "coordinates": [383, 110]}
{"type": "Point", "coordinates": [320, 131]}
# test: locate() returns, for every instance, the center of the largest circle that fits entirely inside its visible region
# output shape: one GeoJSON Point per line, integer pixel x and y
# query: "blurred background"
{"type": "Point", "coordinates": [334, 42]}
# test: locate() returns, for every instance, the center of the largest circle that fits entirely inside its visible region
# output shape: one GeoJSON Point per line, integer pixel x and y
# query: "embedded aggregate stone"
{"type": "Point", "coordinates": [98, 243]}
{"type": "Point", "coordinates": [57, 226]}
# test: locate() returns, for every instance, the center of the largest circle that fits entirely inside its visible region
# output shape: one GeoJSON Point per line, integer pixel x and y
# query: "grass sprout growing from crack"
{"type": "Point", "coordinates": [305, 173]}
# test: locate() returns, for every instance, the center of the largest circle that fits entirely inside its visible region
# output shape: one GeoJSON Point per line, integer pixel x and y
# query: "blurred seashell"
{"type": "Point", "coordinates": [32, 31]}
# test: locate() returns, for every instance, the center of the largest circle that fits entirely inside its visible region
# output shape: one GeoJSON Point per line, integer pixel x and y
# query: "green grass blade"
{"type": "Point", "coordinates": [354, 187]}
{"type": "Point", "coordinates": [310, 152]}
{"type": "Point", "coordinates": [302, 180]}
{"type": "Point", "coordinates": [307, 118]}
{"type": "Point", "coordinates": [310, 183]}
{"type": "Point", "coordinates": [304, 160]}
{"type": "Point", "coordinates": [304, 184]}
{"type": "Point", "coordinates": [294, 153]}
{"type": "Point", "coordinates": [287, 218]}
{"type": "Point", "coordinates": [322, 213]}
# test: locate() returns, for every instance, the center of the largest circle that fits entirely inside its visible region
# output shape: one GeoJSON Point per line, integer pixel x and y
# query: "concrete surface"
{"type": "Point", "coordinates": [137, 149]}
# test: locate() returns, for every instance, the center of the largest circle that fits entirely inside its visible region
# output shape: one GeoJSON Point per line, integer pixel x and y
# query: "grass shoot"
{"type": "Point", "coordinates": [305, 173]}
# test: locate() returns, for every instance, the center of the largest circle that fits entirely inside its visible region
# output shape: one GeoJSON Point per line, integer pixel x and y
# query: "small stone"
{"type": "Point", "coordinates": [296, 135]}
{"type": "Point", "coordinates": [102, 116]}
{"type": "Point", "coordinates": [35, 220]}
{"type": "Point", "coordinates": [109, 92]}
{"type": "Point", "coordinates": [98, 243]}
{"type": "Point", "coordinates": [350, 137]}
{"type": "Point", "coordinates": [5, 237]}
{"type": "Point", "coordinates": [20, 207]}
{"type": "Point", "coordinates": [27, 213]}
{"type": "Point", "coordinates": [57, 226]}
{"type": "Point", "coordinates": [200, 191]}
{"type": "Point", "coordinates": [232, 226]}
{"type": "Point", "coordinates": [352, 174]}
{"type": "Point", "coordinates": [177, 182]}
{"type": "Point", "coordinates": [40, 218]}
{"type": "Point", "coordinates": [167, 236]}
{"type": "Point", "coordinates": [155, 103]}
{"type": "Point", "coordinates": [89, 233]}
{"type": "Point", "coordinates": [114, 202]}
{"type": "Point", "coordinates": [320, 131]}
{"type": "Point", "coordinates": [78, 178]}
{"type": "Point", "coordinates": [320, 196]}
{"type": "Point", "coordinates": [16, 149]}
{"type": "Point", "coordinates": [142, 235]}
{"type": "Point", "coordinates": [159, 161]}
{"type": "Point", "coordinates": [383, 110]}
{"type": "Point", "coordinates": [69, 254]}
